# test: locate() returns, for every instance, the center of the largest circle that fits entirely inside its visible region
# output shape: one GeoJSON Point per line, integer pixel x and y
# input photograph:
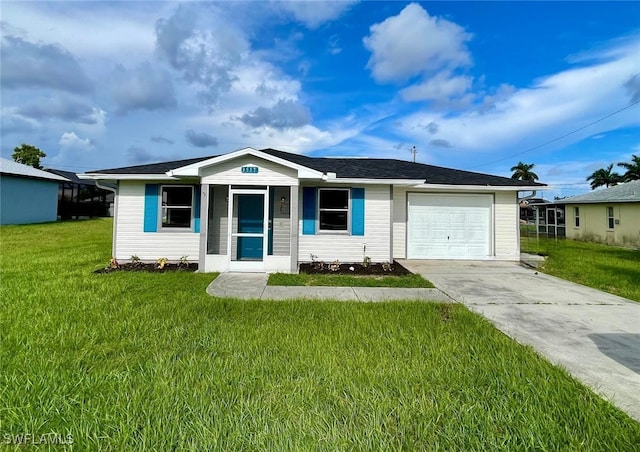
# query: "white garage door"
{"type": "Point", "coordinates": [446, 226]}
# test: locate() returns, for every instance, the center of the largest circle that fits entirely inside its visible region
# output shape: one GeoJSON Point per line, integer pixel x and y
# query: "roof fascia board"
{"type": "Point", "coordinates": [444, 187]}
{"type": "Point", "coordinates": [53, 178]}
{"type": "Point", "coordinates": [194, 169]}
{"type": "Point", "coordinates": [353, 180]}
{"type": "Point", "coordinates": [605, 201]}
{"type": "Point", "coordinates": [104, 176]}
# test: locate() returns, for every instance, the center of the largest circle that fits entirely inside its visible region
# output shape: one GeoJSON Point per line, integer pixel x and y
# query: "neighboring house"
{"type": "Point", "coordinates": [528, 208]}
{"type": "Point", "coordinates": [78, 198]}
{"type": "Point", "coordinates": [27, 195]}
{"type": "Point", "coordinates": [546, 215]}
{"type": "Point", "coordinates": [610, 215]}
{"type": "Point", "coordinates": [269, 210]}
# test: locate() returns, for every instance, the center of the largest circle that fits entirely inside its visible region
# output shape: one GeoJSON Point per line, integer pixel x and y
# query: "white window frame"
{"type": "Point", "coordinates": [162, 207]}
{"type": "Point", "coordinates": [347, 210]}
{"type": "Point", "coordinates": [576, 217]}
{"type": "Point", "coordinates": [611, 219]}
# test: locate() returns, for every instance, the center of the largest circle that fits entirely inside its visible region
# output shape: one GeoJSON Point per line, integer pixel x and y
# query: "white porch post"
{"type": "Point", "coordinates": [204, 225]}
{"type": "Point", "coordinates": [293, 214]}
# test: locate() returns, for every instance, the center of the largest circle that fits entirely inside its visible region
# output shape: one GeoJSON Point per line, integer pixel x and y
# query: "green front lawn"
{"type": "Point", "coordinates": [303, 279]}
{"type": "Point", "coordinates": [132, 361]}
{"type": "Point", "coordinates": [612, 269]}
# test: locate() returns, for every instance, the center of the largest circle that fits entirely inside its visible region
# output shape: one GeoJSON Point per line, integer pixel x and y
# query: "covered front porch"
{"type": "Point", "coordinates": [262, 234]}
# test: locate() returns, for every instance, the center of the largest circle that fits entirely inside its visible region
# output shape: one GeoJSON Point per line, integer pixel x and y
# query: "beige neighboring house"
{"type": "Point", "coordinates": [611, 215]}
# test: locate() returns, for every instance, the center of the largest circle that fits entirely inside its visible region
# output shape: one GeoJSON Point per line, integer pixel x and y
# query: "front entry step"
{"type": "Point", "coordinates": [238, 285]}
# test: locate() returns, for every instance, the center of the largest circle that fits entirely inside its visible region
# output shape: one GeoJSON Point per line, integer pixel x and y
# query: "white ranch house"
{"type": "Point", "coordinates": [285, 207]}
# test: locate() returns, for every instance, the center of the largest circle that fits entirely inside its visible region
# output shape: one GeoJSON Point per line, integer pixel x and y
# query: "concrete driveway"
{"type": "Point", "coordinates": [594, 335]}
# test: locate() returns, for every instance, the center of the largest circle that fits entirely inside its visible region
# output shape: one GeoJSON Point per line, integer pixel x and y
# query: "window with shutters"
{"type": "Point", "coordinates": [333, 209]}
{"type": "Point", "coordinates": [176, 207]}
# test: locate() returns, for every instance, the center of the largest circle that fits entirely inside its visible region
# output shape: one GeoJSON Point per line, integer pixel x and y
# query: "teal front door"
{"type": "Point", "coordinates": [250, 232]}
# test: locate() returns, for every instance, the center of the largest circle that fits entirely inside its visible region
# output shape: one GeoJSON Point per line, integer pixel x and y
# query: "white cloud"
{"type": "Point", "coordinates": [333, 45]}
{"type": "Point", "coordinates": [443, 85]}
{"type": "Point", "coordinates": [553, 106]}
{"type": "Point", "coordinates": [314, 13]}
{"type": "Point", "coordinates": [206, 58]}
{"type": "Point", "coordinates": [285, 114]}
{"type": "Point", "coordinates": [75, 153]}
{"type": "Point", "coordinates": [414, 43]}
{"type": "Point", "coordinates": [87, 29]}
{"type": "Point", "coordinates": [72, 141]}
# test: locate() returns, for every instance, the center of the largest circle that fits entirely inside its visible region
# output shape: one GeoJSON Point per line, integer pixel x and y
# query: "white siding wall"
{"type": "Point", "coordinates": [230, 172]}
{"type": "Point", "coordinates": [506, 224]}
{"type": "Point", "coordinates": [148, 246]}
{"type": "Point", "coordinates": [348, 248]}
{"type": "Point", "coordinates": [399, 222]}
{"type": "Point", "coordinates": [281, 222]}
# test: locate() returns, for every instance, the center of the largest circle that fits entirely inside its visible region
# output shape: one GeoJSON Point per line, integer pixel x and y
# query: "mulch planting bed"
{"type": "Point", "coordinates": [151, 268]}
{"type": "Point", "coordinates": [394, 269]}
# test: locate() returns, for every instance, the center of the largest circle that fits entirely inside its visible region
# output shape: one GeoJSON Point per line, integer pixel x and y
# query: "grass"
{"type": "Point", "coordinates": [303, 279]}
{"type": "Point", "coordinates": [134, 361]}
{"type": "Point", "coordinates": [608, 268]}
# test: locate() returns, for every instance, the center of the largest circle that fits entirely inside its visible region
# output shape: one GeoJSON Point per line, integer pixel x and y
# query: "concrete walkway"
{"type": "Point", "coordinates": [594, 335]}
{"type": "Point", "coordinates": [254, 286]}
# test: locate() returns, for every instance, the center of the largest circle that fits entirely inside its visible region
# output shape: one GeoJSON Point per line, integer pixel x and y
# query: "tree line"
{"type": "Point", "coordinates": [606, 177]}
{"type": "Point", "coordinates": [603, 177]}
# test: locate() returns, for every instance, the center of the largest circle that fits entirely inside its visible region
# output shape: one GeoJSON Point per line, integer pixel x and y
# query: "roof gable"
{"type": "Point", "coordinates": [194, 169]}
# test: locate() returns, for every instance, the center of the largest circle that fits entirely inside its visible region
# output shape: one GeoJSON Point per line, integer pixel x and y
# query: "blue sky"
{"type": "Point", "coordinates": [473, 85]}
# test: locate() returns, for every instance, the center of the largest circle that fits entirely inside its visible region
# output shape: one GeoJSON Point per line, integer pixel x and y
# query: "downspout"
{"type": "Point", "coordinates": [105, 187]}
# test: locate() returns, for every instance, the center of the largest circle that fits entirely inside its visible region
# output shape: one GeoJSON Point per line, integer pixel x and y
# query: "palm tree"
{"type": "Point", "coordinates": [522, 171]}
{"type": "Point", "coordinates": [633, 168]}
{"type": "Point", "coordinates": [604, 177]}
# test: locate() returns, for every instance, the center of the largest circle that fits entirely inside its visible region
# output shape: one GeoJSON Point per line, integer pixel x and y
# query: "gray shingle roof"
{"type": "Point", "coordinates": [152, 168]}
{"type": "Point", "coordinates": [74, 179]}
{"type": "Point", "coordinates": [353, 168]}
{"type": "Point", "coordinates": [627, 192]}
{"type": "Point", "coordinates": [18, 169]}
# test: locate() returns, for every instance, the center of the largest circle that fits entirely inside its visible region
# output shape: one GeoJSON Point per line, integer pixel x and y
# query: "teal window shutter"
{"type": "Point", "coordinates": [150, 208]}
{"type": "Point", "coordinates": [308, 210]}
{"type": "Point", "coordinates": [196, 213]}
{"type": "Point", "coordinates": [357, 211]}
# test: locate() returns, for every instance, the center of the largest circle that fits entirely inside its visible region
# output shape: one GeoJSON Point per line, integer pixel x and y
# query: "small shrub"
{"type": "Point", "coordinates": [160, 263]}
{"type": "Point", "coordinates": [317, 264]}
{"type": "Point", "coordinates": [334, 266]}
{"type": "Point", "coordinates": [366, 261]}
{"type": "Point", "coordinates": [113, 263]}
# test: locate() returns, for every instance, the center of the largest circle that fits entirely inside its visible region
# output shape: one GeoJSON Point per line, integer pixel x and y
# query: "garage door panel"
{"type": "Point", "coordinates": [448, 226]}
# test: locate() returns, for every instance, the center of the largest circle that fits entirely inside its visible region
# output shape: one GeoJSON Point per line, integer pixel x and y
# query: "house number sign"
{"type": "Point", "coordinates": [249, 169]}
